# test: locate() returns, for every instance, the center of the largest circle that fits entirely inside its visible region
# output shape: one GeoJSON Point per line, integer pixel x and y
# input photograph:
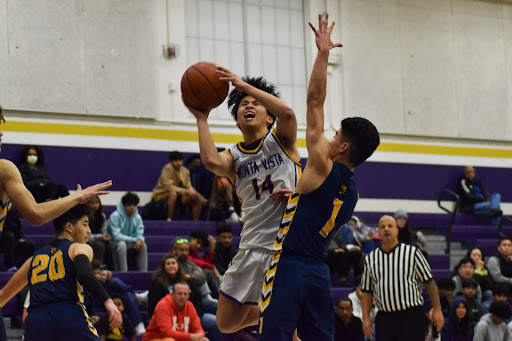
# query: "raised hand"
{"type": "Point", "coordinates": [323, 34]}
{"type": "Point", "coordinates": [226, 75]}
{"type": "Point", "coordinates": [198, 113]}
{"type": "Point", "coordinates": [87, 194]}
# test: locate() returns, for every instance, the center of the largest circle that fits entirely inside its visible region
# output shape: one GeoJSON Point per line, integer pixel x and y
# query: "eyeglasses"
{"type": "Point", "coordinates": [181, 241]}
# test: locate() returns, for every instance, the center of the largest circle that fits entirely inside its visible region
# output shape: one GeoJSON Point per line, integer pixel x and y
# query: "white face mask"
{"type": "Point", "coordinates": [32, 159]}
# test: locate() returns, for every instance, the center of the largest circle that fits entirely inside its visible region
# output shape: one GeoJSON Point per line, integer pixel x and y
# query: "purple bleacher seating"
{"type": "Point", "coordinates": [138, 280]}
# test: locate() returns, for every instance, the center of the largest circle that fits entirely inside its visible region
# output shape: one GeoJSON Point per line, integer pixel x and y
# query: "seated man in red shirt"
{"type": "Point", "coordinates": [175, 318]}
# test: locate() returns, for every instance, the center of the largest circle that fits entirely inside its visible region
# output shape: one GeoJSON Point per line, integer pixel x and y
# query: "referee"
{"type": "Point", "coordinates": [392, 276]}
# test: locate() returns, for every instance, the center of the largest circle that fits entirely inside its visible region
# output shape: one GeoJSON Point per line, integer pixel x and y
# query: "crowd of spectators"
{"type": "Point", "coordinates": [182, 298]}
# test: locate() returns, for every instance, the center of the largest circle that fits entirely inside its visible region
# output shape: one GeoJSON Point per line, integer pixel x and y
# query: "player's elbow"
{"type": "Point", "coordinates": [212, 164]}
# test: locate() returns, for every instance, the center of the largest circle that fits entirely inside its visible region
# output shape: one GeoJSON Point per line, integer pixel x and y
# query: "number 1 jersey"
{"type": "Point", "coordinates": [256, 174]}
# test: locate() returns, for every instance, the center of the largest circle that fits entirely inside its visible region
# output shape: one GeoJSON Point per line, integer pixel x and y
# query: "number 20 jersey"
{"type": "Point", "coordinates": [256, 174]}
{"type": "Point", "coordinates": [52, 276]}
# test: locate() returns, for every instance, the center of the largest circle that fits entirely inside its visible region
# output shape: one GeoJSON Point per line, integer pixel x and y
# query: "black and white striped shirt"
{"type": "Point", "coordinates": [395, 278]}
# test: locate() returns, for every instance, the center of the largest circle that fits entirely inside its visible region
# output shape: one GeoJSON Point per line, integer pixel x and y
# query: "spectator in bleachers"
{"type": "Point", "coordinates": [341, 255]}
{"type": "Point", "coordinates": [347, 327]}
{"type": "Point", "coordinates": [431, 333]}
{"type": "Point", "coordinates": [108, 333]}
{"type": "Point", "coordinates": [12, 241]}
{"type": "Point", "coordinates": [465, 270]}
{"type": "Point", "coordinates": [446, 286]}
{"type": "Point", "coordinates": [99, 239]}
{"type": "Point", "coordinates": [500, 292]}
{"type": "Point", "coordinates": [492, 327]}
{"type": "Point", "coordinates": [469, 286]}
{"type": "Point", "coordinates": [218, 189]}
{"type": "Point", "coordinates": [115, 285]}
{"type": "Point", "coordinates": [175, 318]}
{"type": "Point", "coordinates": [181, 249]}
{"type": "Point", "coordinates": [456, 325]}
{"type": "Point", "coordinates": [198, 239]}
{"type": "Point", "coordinates": [481, 274]}
{"type": "Point", "coordinates": [363, 233]}
{"type": "Point", "coordinates": [174, 183]}
{"type": "Point", "coordinates": [355, 297]}
{"type": "Point", "coordinates": [224, 248]}
{"type": "Point", "coordinates": [170, 272]}
{"type": "Point", "coordinates": [31, 163]}
{"type": "Point", "coordinates": [473, 198]}
{"type": "Point", "coordinates": [406, 234]}
{"type": "Point", "coordinates": [127, 230]}
{"type": "Point", "coordinates": [500, 265]}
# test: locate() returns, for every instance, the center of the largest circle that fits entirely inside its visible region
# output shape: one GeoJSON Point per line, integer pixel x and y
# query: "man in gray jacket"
{"type": "Point", "coordinates": [500, 265]}
{"type": "Point", "coordinates": [492, 327]}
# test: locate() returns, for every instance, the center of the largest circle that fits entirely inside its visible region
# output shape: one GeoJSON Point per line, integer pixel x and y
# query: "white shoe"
{"type": "Point", "coordinates": [142, 298]}
{"type": "Point", "coordinates": [139, 329]}
{"type": "Point", "coordinates": [233, 218]}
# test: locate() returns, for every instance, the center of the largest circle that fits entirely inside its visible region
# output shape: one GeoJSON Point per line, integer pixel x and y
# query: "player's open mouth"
{"type": "Point", "coordinates": [249, 114]}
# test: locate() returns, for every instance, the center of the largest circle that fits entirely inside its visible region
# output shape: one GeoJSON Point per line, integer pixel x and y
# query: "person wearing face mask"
{"type": "Point", "coordinates": [31, 164]}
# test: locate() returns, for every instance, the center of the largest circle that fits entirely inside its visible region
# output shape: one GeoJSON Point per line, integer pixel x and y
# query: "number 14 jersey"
{"type": "Point", "coordinates": [256, 174]}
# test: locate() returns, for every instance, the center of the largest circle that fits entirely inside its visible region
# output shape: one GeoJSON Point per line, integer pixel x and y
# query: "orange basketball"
{"type": "Point", "coordinates": [201, 87]}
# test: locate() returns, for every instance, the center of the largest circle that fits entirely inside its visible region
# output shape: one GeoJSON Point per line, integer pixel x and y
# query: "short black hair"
{"type": "Point", "coordinates": [235, 96]}
{"type": "Point", "coordinates": [72, 216]}
{"type": "Point", "coordinates": [117, 295]}
{"type": "Point", "coordinates": [175, 156]}
{"type": "Point", "coordinates": [344, 299]}
{"type": "Point", "coordinates": [469, 283]}
{"type": "Point", "coordinates": [193, 157]}
{"type": "Point", "coordinates": [501, 309]}
{"type": "Point", "coordinates": [96, 264]}
{"type": "Point", "coordinates": [446, 283]}
{"type": "Point", "coordinates": [500, 289]}
{"type": "Point", "coordinates": [465, 260]}
{"type": "Point", "coordinates": [362, 136]}
{"type": "Point", "coordinates": [224, 228]}
{"type": "Point", "coordinates": [505, 238]}
{"type": "Point", "coordinates": [130, 198]}
{"type": "Point", "coordinates": [202, 235]}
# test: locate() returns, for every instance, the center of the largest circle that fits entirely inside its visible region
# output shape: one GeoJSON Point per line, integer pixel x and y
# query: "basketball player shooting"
{"type": "Point", "coordinates": [264, 169]}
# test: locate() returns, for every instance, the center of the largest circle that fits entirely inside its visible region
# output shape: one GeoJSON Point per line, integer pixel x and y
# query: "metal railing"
{"type": "Point", "coordinates": [452, 212]}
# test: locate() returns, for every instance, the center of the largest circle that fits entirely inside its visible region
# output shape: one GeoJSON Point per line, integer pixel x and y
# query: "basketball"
{"type": "Point", "coordinates": [201, 87]}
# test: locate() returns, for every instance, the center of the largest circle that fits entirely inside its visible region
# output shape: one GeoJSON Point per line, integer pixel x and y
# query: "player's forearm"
{"type": "Point", "coordinates": [46, 211]}
{"type": "Point", "coordinates": [15, 284]}
{"type": "Point", "coordinates": [318, 80]}
{"type": "Point", "coordinates": [208, 151]}
{"type": "Point", "coordinates": [273, 104]}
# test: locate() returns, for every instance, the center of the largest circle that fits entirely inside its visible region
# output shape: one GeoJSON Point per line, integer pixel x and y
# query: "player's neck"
{"type": "Point", "coordinates": [251, 134]}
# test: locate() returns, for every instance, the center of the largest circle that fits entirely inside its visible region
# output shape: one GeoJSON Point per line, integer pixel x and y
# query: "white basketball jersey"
{"type": "Point", "coordinates": [257, 173]}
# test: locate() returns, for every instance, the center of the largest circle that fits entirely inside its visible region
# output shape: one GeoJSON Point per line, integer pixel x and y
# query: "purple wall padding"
{"type": "Point", "coordinates": [139, 170]}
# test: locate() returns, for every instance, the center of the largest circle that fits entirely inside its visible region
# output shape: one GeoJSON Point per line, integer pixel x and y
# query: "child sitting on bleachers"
{"type": "Point", "coordinates": [115, 285]}
{"type": "Point", "coordinates": [126, 329]}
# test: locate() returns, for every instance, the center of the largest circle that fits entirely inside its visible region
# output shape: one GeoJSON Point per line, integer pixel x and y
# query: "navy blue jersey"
{"type": "Point", "coordinates": [312, 219]}
{"type": "Point", "coordinates": [52, 276]}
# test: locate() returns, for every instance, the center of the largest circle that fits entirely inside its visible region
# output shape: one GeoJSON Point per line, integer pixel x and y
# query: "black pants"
{"type": "Point", "coordinates": [105, 252]}
{"type": "Point", "coordinates": [401, 325]}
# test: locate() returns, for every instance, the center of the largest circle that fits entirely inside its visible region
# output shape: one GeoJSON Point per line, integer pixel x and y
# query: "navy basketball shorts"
{"type": "Point", "coordinates": [60, 321]}
{"type": "Point", "coordinates": [297, 296]}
